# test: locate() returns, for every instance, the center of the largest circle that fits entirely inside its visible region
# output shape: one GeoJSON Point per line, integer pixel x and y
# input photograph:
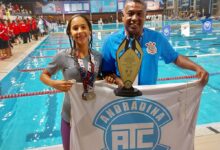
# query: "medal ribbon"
{"type": "Point", "coordinates": [87, 76]}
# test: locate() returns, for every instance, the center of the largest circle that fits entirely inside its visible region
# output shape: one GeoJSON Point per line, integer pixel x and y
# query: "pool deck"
{"type": "Point", "coordinates": [207, 136]}
{"type": "Point", "coordinates": [19, 52]}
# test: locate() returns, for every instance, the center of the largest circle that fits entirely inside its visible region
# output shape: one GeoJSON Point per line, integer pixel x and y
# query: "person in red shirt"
{"type": "Point", "coordinates": [5, 51]}
{"type": "Point", "coordinates": [24, 30]}
{"type": "Point", "coordinates": [28, 23]}
{"type": "Point", "coordinates": [34, 28]}
{"type": "Point", "coordinates": [11, 32]}
{"type": "Point", "coordinates": [16, 31]}
{"type": "Point", "coordinates": [2, 51]}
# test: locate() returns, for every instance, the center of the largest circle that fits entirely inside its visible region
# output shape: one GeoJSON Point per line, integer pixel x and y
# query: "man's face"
{"type": "Point", "coordinates": [134, 17]}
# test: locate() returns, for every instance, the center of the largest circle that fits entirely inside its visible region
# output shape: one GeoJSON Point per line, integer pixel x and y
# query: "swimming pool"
{"type": "Point", "coordinates": [34, 121]}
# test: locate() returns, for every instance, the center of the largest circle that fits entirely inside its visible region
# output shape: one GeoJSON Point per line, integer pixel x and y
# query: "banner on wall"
{"type": "Point", "coordinates": [163, 118]}
{"type": "Point", "coordinates": [153, 5]}
{"type": "Point", "coordinates": [65, 7]}
{"type": "Point", "coordinates": [98, 6]}
{"type": "Point", "coordinates": [170, 4]}
{"type": "Point", "coordinates": [121, 4]}
{"type": "Point", "coordinates": [76, 7]}
{"type": "Point", "coordinates": [185, 3]}
{"type": "Point", "coordinates": [52, 8]}
{"type": "Point", "coordinates": [185, 29]}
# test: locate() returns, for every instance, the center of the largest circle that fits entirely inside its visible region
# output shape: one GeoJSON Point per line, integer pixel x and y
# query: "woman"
{"type": "Point", "coordinates": [80, 63]}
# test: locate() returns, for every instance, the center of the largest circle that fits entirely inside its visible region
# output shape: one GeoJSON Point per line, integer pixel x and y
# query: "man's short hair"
{"type": "Point", "coordinates": [142, 2]}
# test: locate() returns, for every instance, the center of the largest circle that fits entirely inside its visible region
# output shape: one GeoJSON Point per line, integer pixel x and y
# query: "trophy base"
{"type": "Point", "coordinates": [131, 92]}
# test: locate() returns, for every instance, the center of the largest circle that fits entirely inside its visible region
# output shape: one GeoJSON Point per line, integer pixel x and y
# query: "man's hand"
{"type": "Point", "coordinates": [203, 75]}
{"type": "Point", "coordinates": [113, 79]}
{"type": "Point", "coordinates": [186, 63]}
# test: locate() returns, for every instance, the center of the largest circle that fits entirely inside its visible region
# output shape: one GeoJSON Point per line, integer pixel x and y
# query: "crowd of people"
{"type": "Point", "coordinates": [17, 31]}
{"type": "Point", "coordinates": [13, 9]}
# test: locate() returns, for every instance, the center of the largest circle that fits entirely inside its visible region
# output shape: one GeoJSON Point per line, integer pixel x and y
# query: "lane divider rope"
{"type": "Point", "coordinates": [204, 55]}
{"type": "Point", "coordinates": [31, 70]}
{"type": "Point", "coordinates": [184, 77]}
{"type": "Point", "coordinates": [29, 94]}
{"type": "Point", "coordinates": [53, 44]}
{"type": "Point", "coordinates": [177, 78]}
{"type": "Point", "coordinates": [41, 56]}
{"type": "Point", "coordinates": [57, 48]}
{"type": "Point", "coordinates": [58, 91]}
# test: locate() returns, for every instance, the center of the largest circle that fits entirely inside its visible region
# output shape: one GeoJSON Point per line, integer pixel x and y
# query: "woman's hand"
{"type": "Point", "coordinates": [62, 85]}
{"type": "Point", "coordinates": [57, 84]}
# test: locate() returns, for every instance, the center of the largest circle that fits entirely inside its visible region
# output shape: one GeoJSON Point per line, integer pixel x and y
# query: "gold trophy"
{"type": "Point", "coordinates": [129, 58]}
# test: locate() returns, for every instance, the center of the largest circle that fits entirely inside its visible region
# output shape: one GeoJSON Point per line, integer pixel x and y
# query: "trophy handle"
{"type": "Point", "coordinates": [123, 47]}
{"type": "Point", "coordinates": [137, 47]}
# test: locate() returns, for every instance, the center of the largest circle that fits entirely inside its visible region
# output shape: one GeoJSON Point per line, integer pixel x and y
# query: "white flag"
{"type": "Point", "coordinates": [163, 118]}
{"type": "Point", "coordinates": [185, 29]}
{"type": "Point", "coordinates": [99, 35]}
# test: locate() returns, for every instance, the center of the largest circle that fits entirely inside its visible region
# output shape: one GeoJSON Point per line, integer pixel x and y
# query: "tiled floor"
{"type": "Point", "coordinates": [207, 137]}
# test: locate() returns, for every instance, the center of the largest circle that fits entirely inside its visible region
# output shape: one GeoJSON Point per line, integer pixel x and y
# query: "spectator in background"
{"type": "Point", "coordinates": [111, 19]}
{"type": "Point", "coordinates": [16, 31]}
{"type": "Point", "coordinates": [24, 30]}
{"type": "Point", "coordinates": [4, 35]}
{"type": "Point", "coordinates": [34, 28]}
{"type": "Point", "coordinates": [191, 16]}
{"type": "Point", "coordinates": [11, 32]}
{"type": "Point", "coordinates": [1, 10]}
{"type": "Point", "coordinates": [2, 51]}
{"type": "Point", "coordinates": [17, 8]}
{"type": "Point", "coordinates": [28, 23]}
{"type": "Point", "coordinates": [8, 14]}
{"type": "Point", "coordinates": [41, 26]}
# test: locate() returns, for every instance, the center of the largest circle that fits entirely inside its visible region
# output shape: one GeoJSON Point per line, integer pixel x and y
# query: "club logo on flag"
{"type": "Point", "coordinates": [132, 123]}
{"type": "Point", "coordinates": [166, 31]}
{"type": "Point", "coordinates": [207, 26]}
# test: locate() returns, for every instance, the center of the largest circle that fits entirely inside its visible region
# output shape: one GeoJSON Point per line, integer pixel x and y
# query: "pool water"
{"type": "Point", "coordinates": [29, 122]}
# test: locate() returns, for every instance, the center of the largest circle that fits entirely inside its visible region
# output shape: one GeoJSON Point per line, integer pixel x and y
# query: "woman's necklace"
{"type": "Point", "coordinates": [87, 75]}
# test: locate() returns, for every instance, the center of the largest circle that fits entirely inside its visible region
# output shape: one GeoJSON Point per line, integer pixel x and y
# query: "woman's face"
{"type": "Point", "coordinates": [79, 30]}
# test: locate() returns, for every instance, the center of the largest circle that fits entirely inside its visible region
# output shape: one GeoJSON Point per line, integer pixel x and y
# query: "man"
{"type": "Point", "coordinates": [154, 45]}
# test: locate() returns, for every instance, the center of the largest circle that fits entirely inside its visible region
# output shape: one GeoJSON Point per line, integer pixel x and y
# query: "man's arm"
{"type": "Point", "coordinates": [186, 63]}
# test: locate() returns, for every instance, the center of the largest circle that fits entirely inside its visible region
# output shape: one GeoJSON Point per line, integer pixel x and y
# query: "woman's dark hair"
{"type": "Point", "coordinates": [69, 34]}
